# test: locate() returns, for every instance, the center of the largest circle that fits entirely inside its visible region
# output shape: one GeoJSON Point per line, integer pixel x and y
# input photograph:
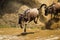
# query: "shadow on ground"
{"type": "Point", "coordinates": [25, 33]}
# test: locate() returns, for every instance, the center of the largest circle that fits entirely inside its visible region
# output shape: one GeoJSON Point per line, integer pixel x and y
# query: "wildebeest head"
{"type": "Point", "coordinates": [48, 10]}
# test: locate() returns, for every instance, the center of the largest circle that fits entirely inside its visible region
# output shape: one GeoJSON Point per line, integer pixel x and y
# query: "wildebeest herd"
{"type": "Point", "coordinates": [34, 13]}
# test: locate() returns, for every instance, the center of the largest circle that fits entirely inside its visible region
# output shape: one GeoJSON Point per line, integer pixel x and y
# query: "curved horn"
{"type": "Point", "coordinates": [41, 16]}
{"type": "Point", "coordinates": [42, 6]}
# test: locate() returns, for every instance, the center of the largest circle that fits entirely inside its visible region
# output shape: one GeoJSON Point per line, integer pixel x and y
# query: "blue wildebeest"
{"type": "Point", "coordinates": [54, 9]}
{"type": "Point", "coordinates": [29, 15]}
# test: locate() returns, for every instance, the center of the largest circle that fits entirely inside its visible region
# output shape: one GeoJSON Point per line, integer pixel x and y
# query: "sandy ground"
{"type": "Point", "coordinates": [32, 34]}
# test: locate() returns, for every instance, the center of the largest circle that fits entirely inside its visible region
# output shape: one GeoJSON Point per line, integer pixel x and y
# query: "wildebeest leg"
{"type": "Point", "coordinates": [55, 13]}
{"type": "Point", "coordinates": [54, 16]}
{"type": "Point", "coordinates": [28, 20]}
{"type": "Point", "coordinates": [21, 25]}
{"type": "Point", "coordinates": [25, 28]}
{"type": "Point", "coordinates": [51, 15]}
{"type": "Point", "coordinates": [25, 25]}
{"type": "Point", "coordinates": [35, 20]}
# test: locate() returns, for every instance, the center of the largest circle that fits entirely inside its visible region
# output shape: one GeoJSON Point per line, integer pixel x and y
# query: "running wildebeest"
{"type": "Point", "coordinates": [29, 15]}
{"type": "Point", "coordinates": [54, 8]}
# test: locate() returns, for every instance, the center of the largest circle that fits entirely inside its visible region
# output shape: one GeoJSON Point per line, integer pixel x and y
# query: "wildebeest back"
{"type": "Point", "coordinates": [57, 5]}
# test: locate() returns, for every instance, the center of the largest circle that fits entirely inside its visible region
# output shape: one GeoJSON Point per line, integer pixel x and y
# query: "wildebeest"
{"type": "Point", "coordinates": [54, 8]}
{"type": "Point", "coordinates": [29, 15]}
